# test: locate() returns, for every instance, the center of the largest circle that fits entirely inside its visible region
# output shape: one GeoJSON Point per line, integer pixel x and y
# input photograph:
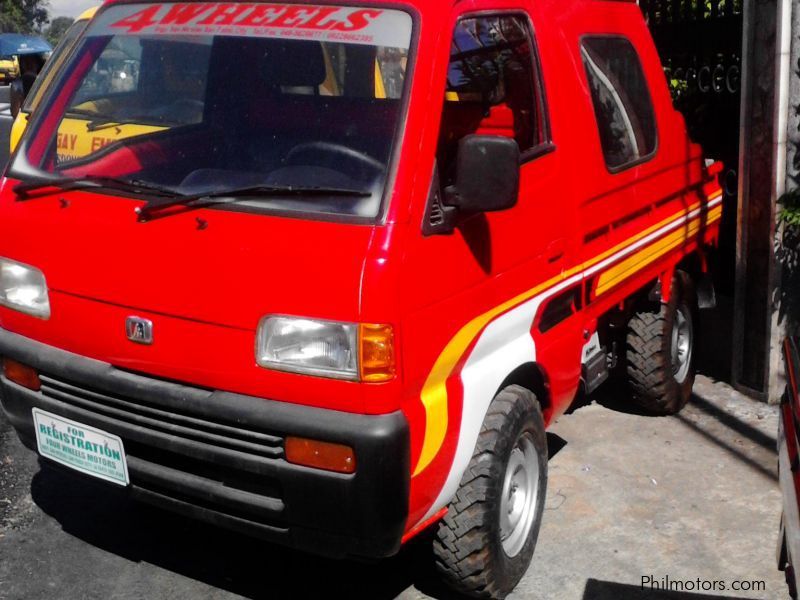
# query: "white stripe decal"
{"type": "Point", "coordinates": [651, 238]}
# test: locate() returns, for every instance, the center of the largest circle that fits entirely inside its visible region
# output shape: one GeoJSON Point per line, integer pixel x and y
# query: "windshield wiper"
{"type": "Point", "coordinates": [103, 122]}
{"type": "Point", "coordinates": [232, 195]}
{"type": "Point", "coordinates": [82, 112]}
{"type": "Point", "coordinates": [99, 121]}
{"type": "Point", "coordinates": [168, 198]}
{"type": "Point", "coordinates": [24, 190]}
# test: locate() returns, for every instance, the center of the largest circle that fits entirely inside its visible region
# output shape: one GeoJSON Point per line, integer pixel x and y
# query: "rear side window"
{"type": "Point", "coordinates": [622, 103]}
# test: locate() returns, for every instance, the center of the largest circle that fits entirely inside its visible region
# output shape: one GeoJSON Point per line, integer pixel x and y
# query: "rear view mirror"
{"type": "Point", "coordinates": [487, 175]}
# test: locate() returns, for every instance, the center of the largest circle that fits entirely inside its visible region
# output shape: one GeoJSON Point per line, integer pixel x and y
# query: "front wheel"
{"type": "Point", "coordinates": [485, 543]}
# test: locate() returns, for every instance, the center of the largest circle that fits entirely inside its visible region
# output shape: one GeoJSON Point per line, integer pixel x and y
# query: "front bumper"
{"type": "Point", "coordinates": [218, 456]}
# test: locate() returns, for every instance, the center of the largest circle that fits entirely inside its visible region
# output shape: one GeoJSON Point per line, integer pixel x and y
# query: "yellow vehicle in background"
{"type": "Point", "coordinates": [9, 69]}
{"type": "Point", "coordinates": [61, 51]}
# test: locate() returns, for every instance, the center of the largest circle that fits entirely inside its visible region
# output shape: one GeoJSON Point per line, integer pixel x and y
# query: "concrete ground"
{"type": "Point", "coordinates": [689, 497]}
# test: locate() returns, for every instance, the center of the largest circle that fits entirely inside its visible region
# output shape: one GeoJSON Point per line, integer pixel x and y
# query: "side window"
{"type": "Point", "coordinates": [621, 98]}
{"type": "Point", "coordinates": [493, 85]}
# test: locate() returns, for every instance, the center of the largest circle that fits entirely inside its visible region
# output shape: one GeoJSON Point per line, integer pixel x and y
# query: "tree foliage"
{"type": "Point", "coordinates": [23, 16]}
{"type": "Point", "coordinates": [58, 27]}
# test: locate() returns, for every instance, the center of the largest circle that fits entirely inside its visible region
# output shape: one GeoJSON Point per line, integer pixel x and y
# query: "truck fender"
{"type": "Point", "coordinates": [704, 290]}
{"type": "Point", "coordinates": [503, 347]}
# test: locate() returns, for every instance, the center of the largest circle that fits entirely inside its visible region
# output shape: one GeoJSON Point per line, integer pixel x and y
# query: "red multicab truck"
{"type": "Point", "coordinates": [349, 261]}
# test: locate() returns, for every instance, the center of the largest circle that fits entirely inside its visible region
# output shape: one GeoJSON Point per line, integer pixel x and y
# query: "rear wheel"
{"type": "Point", "coordinates": [660, 351]}
{"type": "Point", "coordinates": [485, 543]}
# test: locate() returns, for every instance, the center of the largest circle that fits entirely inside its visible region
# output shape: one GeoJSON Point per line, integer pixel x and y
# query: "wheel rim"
{"type": "Point", "coordinates": [682, 344]}
{"type": "Point", "coordinates": [520, 495]}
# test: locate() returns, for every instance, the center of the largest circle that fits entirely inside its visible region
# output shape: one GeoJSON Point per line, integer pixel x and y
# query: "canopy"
{"type": "Point", "coordinates": [17, 44]}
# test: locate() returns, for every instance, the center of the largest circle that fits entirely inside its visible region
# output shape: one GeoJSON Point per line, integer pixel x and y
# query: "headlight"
{"type": "Point", "coordinates": [349, 351]}
{"type": "Point", "coordinates": [23, 288]}
{"type": "Point", "coordinates": [325, 348]}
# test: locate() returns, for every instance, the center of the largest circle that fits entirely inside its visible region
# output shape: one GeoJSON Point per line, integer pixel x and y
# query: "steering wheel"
{"type": "Point", "coordinates": [335, 150]}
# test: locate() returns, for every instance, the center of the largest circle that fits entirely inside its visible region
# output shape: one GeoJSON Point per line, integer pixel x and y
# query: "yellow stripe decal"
{"type": "Point", "coordinates": [643, 234]}
{"type": "Point", "coordinates": [434, 392]}
{"type": "Point", "coordinates": [617, 274]}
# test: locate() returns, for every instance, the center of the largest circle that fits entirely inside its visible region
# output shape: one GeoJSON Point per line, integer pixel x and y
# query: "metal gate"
{"type": "Point", "coordinates": [700, 45]}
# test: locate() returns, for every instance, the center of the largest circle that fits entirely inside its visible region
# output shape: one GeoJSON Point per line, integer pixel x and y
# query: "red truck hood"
{"type": "Point", "coordinates": [213, 266]}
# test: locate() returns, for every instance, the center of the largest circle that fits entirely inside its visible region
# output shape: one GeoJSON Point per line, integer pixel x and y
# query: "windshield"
{"type": "Point", "coordinates": [200, 98]}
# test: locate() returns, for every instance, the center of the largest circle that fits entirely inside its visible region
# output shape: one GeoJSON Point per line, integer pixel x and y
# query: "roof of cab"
{"type": "Point", "coordinates": [424, 8]}
{"type": "Point", "coordinates": [420, 5]}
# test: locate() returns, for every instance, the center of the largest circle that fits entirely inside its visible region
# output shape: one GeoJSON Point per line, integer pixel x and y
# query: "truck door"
{"type": "Point", "coordinates": [457, 276]}
{"type": "Point", "coordinates": [495, 87]}
{"type": "Point", "coordinates": [465, 274]}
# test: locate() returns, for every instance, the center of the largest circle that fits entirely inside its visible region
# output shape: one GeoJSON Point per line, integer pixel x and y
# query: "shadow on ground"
{"type": "Point", "coordinates": [714, 341]}
{"type": "Point", "coordinates": [222, 559]}
{"type": "Point", "coordinates": [235, 563]}
{"type": "Point", "coordinates": [248, 567]}
{"type": "Point", "coordinates": [606, 590]}
{"type": "Point", "coordinates": [728, 432]}
{"type": "Point", "coordinates": [708, 419]}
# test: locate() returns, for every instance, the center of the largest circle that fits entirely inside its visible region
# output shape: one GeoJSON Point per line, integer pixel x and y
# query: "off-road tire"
{"type": "Point", "coordinates": [468, 548]}
{"type": "Point", "coordinates": [650, 365]}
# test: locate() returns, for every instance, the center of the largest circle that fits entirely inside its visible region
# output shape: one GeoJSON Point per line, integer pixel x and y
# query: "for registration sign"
{"type": "Point", "coordinates": [81, 447]}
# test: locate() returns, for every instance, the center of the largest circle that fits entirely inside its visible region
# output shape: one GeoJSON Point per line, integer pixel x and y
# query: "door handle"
{"type": "Point", "coordinates": [556, 250]}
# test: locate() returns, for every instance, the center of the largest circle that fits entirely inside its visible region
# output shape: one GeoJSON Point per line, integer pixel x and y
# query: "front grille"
{"type": "Point", "coordinates": [173, 423]}
{"type": "Point", "coordinates": [225, 467]}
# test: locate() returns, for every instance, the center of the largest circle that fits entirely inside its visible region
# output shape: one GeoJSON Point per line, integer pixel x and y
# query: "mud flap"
{"type": "Point", "coordinates": [706, 294]}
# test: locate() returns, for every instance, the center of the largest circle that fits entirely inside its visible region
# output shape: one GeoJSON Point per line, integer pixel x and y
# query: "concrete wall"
{"type": "Point", "coordinates": [786, 318]}
{"type": "Point", "coordinates": [756, 264]}
{"type": "Point", "coordinates": [768, 256]}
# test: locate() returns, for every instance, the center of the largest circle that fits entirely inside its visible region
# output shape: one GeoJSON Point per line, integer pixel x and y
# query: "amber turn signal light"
{"type": "Point", "coordinates": [376, 353]}
{"type": "Point", "coordinates": [320, 455]}
{"type": "Point", "coordinates": [21, 374]}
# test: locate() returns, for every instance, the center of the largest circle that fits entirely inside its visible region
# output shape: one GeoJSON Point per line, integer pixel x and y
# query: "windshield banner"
{"type": "Point", "coordinates": [370, 26]}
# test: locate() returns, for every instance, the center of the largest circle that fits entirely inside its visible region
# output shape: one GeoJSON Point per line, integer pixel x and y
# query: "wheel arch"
{"type": "Point", "coordinates": [533, 378]}
{"type": "Point", "coordinates": [693, 264]}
